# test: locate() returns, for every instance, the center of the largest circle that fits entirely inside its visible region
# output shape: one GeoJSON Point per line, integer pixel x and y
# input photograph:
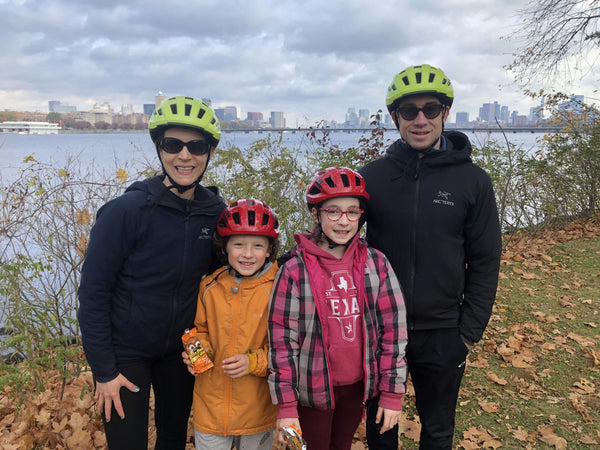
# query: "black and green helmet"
{"type": "Point", "coordinates": [188, 112]}
{"type": "Point", "coordinates": [416, 80]}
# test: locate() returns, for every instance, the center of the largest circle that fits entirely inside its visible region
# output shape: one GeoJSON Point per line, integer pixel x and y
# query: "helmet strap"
{"type": "Point", "coordinates": [179, 187]}
{"type": "Point", "coordinates": [330, 243]}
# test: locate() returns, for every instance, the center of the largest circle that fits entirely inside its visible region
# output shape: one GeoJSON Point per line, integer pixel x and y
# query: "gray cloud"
{"type": "Point", "coordinates": [310, 58]}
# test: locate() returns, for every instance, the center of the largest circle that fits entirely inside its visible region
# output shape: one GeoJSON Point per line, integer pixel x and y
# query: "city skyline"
{"type": "Point", "coordinates": [280, 55]}
{"type": "Point", "coordinates": [234, 112]}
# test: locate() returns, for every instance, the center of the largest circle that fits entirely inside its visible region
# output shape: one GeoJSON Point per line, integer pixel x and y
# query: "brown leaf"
{"type": "Point", "coordinates": [546, 434]}
{"type": "Point", "coordinates": [588, 440]}
{"type": "Point", "coordinates": [491, 376]}
{"type": "Point", "coordinates": [522, 434]}
{"type": "Point", "coordinates": [488, 407]}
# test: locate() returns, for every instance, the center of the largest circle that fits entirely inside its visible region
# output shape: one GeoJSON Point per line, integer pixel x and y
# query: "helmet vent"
{"type": "Point", "coordinates": [236, 217]}
{"type": "Point", "coordinates": [330, 182]}
{"type": "Point", "coordinates": [405, 80]}
{"type": "Point", "coordinates": [358, 181]}
{"type": "Point", "coordinates": [418, 77]}
{"type": "Point", "coordinates": [201, 113]}
{"type": "Point", "coordinates": [188, 109]}
{"type": "Point", "coordinates": [173, 108]}
{"type": "Point", "coordinates": [159, 111]}
{"type": "Point", "coordinates": [265, 219]}
{"type": "Point", "coordinates": [345, 180]}
{"type": "Point", "coordinates": [314, 190]}
{"type": "Point", "coordinates": [251, 218]}
{"type": "Point", "coordinates": [432, 77]}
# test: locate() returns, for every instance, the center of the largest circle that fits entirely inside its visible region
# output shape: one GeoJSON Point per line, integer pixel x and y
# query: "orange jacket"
{"type": "Point", "coordinates": [232, 318]}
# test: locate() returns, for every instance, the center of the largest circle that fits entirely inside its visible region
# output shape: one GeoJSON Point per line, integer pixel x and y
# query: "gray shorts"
{"type": "Point", "coordinates": [259, 441]}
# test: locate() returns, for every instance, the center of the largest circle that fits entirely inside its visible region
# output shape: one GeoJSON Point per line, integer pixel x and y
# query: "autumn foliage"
{"type": "Point", "coordinates": [532, 382]}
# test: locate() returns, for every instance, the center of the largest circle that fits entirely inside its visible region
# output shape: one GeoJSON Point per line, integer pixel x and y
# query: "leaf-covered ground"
{"type": "Point", "coordinates": [533, 382]}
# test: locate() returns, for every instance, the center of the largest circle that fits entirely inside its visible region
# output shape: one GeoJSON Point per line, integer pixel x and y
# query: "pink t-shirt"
{"type": "Point", "coordinates": [344, 315]}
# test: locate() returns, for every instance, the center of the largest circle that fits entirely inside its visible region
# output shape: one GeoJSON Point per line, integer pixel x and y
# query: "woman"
{"type": "Point", "coordinates": [148, 250]}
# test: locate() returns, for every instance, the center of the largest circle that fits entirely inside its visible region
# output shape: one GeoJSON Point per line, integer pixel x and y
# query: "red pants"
{"type": "Point", "coordinates": [333, 428]}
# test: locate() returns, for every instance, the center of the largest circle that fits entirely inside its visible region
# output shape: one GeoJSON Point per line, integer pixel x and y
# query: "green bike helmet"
{"type": "Point", "coordinates": [415, 80]}
{"type": "Point", "coordinates": [187, 112]}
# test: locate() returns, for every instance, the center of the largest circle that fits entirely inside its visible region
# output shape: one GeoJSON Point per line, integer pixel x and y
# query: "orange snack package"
{"type": "Point", "coordinates": [293, 438]}
{"type": "Point", "coordinates": [198, 357]}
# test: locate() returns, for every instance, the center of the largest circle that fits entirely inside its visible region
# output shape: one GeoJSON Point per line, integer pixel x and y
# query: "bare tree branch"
{"type": "Point", "coordinates": [558, 37]}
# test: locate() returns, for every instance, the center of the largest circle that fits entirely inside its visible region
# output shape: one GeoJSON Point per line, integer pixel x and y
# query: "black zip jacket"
{"type": "Point", "coordinates": [147, 253]}
{"type": "Point", "coordinates": [436, 220]}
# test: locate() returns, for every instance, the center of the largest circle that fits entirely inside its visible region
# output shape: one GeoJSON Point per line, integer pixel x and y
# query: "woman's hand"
{"type": "Point", "coordinates": [108, 395]}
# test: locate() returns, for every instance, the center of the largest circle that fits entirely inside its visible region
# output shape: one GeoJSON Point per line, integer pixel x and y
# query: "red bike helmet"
{"type": "Point", "coordinates": [335, 182]}
{"type": "Point", "coordinates": [248, 216]}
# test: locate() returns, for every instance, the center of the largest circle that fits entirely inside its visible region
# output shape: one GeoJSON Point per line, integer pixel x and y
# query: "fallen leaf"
{"type": "Point", "coordinates": [496, 379]}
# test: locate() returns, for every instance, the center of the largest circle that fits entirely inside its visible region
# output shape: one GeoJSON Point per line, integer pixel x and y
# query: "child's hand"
{"type": "Point", "coordinates": [236, 366]}
{"type": "Point", "coordinates": [188, 363]}
{"type": "Point", "coordinates": [285, 422]}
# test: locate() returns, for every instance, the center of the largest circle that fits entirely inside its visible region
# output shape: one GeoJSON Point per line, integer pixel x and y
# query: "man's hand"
{"type": "Point", "coordinates": [108, 395]}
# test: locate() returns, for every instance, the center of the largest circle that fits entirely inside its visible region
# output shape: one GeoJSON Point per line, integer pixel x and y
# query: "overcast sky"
{"type": "Point", "coordinates": [310, 59]}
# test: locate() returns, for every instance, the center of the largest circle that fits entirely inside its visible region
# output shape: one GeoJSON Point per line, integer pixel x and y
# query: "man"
{"type": "Point", "coordinates": [433, 213]}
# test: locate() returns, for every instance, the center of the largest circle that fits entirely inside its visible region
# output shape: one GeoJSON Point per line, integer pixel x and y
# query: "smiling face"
{"type": "Point", "coordinates": [247, 253]}
{"type": "Point", "coordinates": [421, 133]}
{"type": "Point", "coordinates": [183, 167]}
{"type": "Point", "coordinates": [342, 230]}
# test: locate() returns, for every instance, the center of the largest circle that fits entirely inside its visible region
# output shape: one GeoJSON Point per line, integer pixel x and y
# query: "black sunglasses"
{"type": "Point", "coordinates": [410, 112]}
{"type": "Point", "coordinates": [197, 147]}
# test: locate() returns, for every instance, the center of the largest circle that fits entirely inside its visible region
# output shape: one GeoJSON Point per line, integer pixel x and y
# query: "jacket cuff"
{"type": "Point", "coordinates": [391, 401]}
{"type": "Point", "coordinates": [106, 379]}
{"type": "Point", "coordinates": [253, 361]}
{"type": "Point", "coordinates": [288, 411]}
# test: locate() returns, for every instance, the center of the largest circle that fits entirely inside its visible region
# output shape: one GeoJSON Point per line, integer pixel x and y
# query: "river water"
{"type": "Point", "coordinates": [111, 150]}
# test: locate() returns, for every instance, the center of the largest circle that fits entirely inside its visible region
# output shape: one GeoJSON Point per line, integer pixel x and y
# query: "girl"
{"type": "Point", "coordinates": [337, 327]}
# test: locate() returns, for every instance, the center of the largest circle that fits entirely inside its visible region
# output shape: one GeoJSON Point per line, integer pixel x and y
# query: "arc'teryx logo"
{"type": "Point", "coordinates": [205, 233]}
{"type": "Point", "coordinates": [443, 198]}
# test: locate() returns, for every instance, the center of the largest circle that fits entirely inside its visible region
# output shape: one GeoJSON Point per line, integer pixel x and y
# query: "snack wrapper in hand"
{"type": "Point", "coordinates": [198, 357]}
{"type": "Point", "coordinates": [293, 438]}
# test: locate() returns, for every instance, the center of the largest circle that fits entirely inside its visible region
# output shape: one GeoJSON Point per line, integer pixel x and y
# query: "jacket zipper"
{"type": "Point", "coordinates": [413, 247]}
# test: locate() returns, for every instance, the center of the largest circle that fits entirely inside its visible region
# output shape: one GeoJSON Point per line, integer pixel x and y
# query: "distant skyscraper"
{"type": "Point", "coordinates": [149, 108]}
{"type": "Point", "coordinates": [254, 116]}
{"type": "Point", "coordinates": [126, 109]}
{"type": "Point", "coordinates": [220, 113]}
{"type": "Point", "coordinates": [61, 108]}
{"type": "Point", "coordinates": [277, 120]}
{"type": "Point", "coordinates": [486, 112]}
{"type": "Point", "coordinates": [158, 98]}
{"type": "Point", "coordinates": [462, 119]}
{"type": "Point", "coordinates": [504, 114]}
{"type": "Point", "coordinates": [351, 118]}
{"type": "Point", "coordinates": [363, 117]}
{"type": "Point", "coordinates": [573, 104]}
{"type": "Point", "coordinates": [389, 123]}
{"type": "Point", "coordinates": [231, 113]}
